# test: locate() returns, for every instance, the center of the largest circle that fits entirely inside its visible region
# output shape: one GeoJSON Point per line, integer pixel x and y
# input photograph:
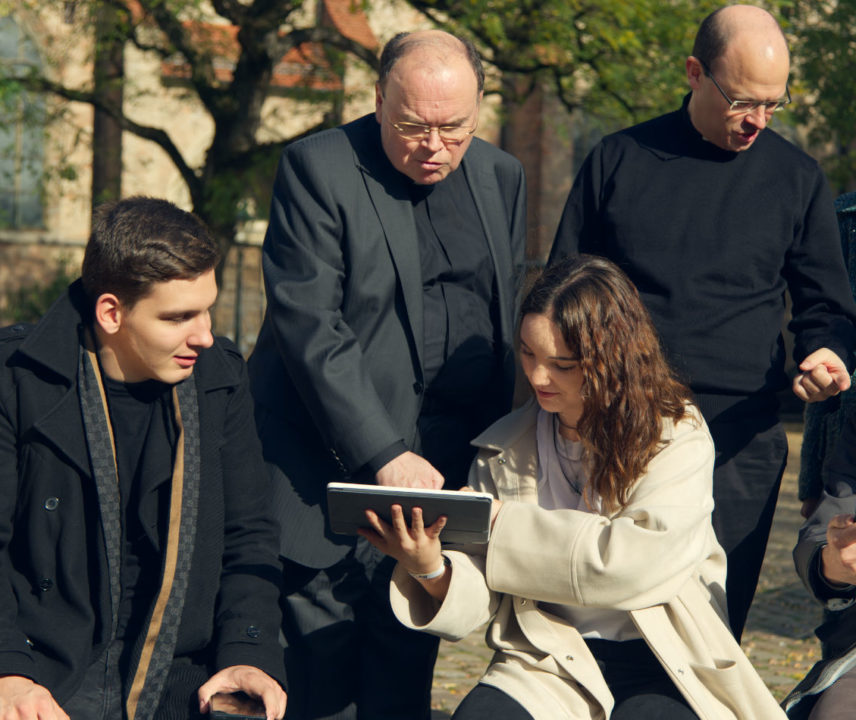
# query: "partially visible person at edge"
{"type": "Point", "coordinates": [602, 580]}
{"type": "Point", "coordinates": [825, 558]}
{"type": "Point", "coordinates": [714, 216]}
{"type": "Point", "coordinates": [391, 264]}
{"type": "Point", "coordinates": [138, 564]}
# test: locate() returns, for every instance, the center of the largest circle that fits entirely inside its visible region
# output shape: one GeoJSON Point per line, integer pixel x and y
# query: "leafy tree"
{"type": "Point", "coordinates": [824, 50]}
{"type": "Point", "coordinates": [617, 59]}
{"type": "Point", "coordinates": [621, 60]}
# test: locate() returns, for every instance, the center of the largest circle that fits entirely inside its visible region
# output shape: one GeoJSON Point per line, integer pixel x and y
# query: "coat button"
{"type": "Point", "coordinates": [501, 461]}
{"type": "Point", "coordinates": [418, 387]}
{"type": "Point", "coordinates": [569, 657]}
{"type": "Point", "coordinates": [253, 631]}
{"type": "Point", "coordinates": [45, 584]}
{"type": "Point", "coordinates": [52, 503]}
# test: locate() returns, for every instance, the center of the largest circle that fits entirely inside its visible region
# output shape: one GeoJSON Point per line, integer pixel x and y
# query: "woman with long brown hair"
{"type": "Point", "coordinates": [602, 580]}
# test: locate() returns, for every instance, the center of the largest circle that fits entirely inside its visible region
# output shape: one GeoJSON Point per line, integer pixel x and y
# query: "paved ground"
{"type": "Point", "coordinates": [778, 638]}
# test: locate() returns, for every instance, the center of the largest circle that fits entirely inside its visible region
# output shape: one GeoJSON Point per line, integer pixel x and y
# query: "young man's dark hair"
{"type": "Point", "coordinates": [140, 241]}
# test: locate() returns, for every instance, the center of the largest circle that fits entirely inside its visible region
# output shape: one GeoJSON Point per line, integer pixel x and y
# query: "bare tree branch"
{"type": "Point", "coordinates": [326, 36]}
{"type": "Point", "coordinates": [200, 60]}
{"type": "Point", "coordinates": [156, 135]}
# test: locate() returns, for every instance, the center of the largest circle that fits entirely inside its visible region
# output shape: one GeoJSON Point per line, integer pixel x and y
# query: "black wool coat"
{"type": "Point", "coordinates": [55, 606]}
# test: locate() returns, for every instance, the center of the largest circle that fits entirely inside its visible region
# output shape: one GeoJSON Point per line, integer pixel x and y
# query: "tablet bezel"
{"type": "Point", "coordinates": [467, 513]}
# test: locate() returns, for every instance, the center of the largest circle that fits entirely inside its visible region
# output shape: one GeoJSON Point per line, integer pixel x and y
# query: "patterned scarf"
{"type": "Point", "coordinates": [152, 666]}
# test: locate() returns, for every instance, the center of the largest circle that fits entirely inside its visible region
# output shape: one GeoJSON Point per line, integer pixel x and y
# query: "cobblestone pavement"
{"type": "Point", "coordinates": [779, 635]}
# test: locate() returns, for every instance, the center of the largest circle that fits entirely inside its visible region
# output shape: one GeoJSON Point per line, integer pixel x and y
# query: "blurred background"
{"type": "Point", "coordinates": [193, 100]}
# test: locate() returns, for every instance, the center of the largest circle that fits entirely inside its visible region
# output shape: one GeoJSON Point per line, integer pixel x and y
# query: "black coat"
{"type": "Point", "coordinates": [337, 371]}
{"type": "Point", "coordinates": [55, 613]}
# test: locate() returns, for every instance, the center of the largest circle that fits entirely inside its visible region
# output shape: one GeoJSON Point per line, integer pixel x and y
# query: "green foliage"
{"type": "Point", "coordinates": [621, 60]}
{"type": "Point", "coordinates": [29, 302]}
{"type": "Point", "coordinates": [825, 57]}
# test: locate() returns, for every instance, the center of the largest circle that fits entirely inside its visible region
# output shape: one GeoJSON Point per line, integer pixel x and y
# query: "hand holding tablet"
{"type": "Point", "coordinates": [467, 513]}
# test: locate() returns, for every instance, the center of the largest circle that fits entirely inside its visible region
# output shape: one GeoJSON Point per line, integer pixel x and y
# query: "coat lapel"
{"type": "Point", "coordinates": [485, 191]}
{"type": "Point", "coordinates": [394, 211]}
{"type": "Point", "coordinates": [61, 424]}
{"type": "Point", "coordinates": [63, 429]}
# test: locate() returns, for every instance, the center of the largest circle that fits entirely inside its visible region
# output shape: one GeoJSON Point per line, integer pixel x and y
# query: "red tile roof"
{"type": "Point", "coordinates": [305, 66]}
{"type": "Point", "coordinates": [349, 19]}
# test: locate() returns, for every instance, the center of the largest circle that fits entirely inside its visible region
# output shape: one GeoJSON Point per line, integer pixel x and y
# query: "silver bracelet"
{"type": "Point", "coordinates": [433, 574]}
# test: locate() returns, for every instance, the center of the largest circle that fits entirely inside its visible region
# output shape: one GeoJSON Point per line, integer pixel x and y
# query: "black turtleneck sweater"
{"type": "Point", "coordinates": [712, 239]}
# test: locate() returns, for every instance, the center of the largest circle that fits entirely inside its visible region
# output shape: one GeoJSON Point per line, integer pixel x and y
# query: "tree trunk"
{"type": "Point", "coordinates": [109, 73]}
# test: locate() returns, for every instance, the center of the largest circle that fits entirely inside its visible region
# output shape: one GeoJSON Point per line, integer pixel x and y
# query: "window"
{"type": "Point", "coordinates": [21, 131]}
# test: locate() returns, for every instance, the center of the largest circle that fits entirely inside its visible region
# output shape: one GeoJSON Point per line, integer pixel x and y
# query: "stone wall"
{"type": "Point", "coordinates": [32, 262]}
{"type": "Point", "coordinates": [240, 304]}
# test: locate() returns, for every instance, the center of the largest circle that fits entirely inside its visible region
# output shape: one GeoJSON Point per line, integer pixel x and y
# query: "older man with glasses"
{"type": "Point", "coordinates": [714, 217]}
{"type": "Point", "coordinates": [391, 260]}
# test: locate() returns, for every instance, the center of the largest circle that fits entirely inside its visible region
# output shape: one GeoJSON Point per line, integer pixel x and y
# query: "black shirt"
{"type": "Point", "coordinates": [143, 427]}
{"type": "Point", "coordinates": [458, 290]}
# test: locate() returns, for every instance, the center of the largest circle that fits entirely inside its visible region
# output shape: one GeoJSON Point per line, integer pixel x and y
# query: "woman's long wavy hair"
{"type": "Point", "coordinates": [628, 387]}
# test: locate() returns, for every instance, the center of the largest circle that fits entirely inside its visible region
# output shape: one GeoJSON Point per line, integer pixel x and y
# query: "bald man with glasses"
{"type": "Point", "coordinates": [391, 264]}
{"type": "Point", "coordinates": [715, 216]}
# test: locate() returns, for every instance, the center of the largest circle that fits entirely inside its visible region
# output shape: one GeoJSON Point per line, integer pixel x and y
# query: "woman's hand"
{"type": "Point", "coordinates": [417, 548]}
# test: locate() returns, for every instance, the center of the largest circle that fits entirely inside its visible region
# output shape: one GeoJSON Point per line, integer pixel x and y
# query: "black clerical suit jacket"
{"type": "Point", "coordinates": [337, 370]}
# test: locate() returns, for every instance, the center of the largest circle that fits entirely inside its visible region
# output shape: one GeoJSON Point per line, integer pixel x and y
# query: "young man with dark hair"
{"type": "Point", "coordinates": [138, 564]}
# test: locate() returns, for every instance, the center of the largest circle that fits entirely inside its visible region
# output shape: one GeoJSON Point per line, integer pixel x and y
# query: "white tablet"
{"type": "Point", "coordinates": [467, 513]}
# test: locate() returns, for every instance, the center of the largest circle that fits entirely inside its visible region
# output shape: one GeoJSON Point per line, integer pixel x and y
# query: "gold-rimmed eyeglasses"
{"type": "Point", "coordinates": [744, 107]}
{"type": "Point", "coordinates": [448, 133]}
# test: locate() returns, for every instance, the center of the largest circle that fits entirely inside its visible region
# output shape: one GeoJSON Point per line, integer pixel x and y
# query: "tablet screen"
{"type": "Point", "coordinates": [467, 513]}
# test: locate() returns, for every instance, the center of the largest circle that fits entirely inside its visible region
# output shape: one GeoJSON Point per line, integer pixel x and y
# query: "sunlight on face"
{"type": "Point", "coordinates": [551, 368]}
{"type": "Point", "coordinates": [160, 337]}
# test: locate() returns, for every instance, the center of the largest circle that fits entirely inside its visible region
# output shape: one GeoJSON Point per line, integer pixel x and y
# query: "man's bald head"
{"type": "Point", "coordinates": [749, 25]}
{"type": "Point", "coordinates": [433, 45]}
{"type": "Point", "coordinates": [740, 54]}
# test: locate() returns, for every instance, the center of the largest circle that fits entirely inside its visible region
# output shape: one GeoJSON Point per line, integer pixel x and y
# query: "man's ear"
{"type": "Point", "coordinates": [378, 103]}
{"type": "Point", "coordinates": [694, 72]}
{"type": "Point", "coordinates": [109, 313]}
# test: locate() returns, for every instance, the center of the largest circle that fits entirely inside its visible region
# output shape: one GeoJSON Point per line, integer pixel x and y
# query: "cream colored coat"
{"type": "Point", "coordinates": [657, 558]}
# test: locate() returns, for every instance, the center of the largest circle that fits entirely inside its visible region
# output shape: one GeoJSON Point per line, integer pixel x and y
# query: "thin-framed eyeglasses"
{"type": "Point", "coordinates": [744, 107]}
{"type": "Point", "coordinates": [452, 134]}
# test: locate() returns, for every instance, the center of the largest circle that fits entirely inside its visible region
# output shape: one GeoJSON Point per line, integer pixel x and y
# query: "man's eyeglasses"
{"type": "Point", "coordinates": [746, 106]}
{"type": "Point", "coordinates": [448, 133]}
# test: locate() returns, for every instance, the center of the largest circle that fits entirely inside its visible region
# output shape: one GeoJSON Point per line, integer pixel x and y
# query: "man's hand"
{"type": "Point", "coordinates": [409, 470]}
{"type": "Point", "coordinates": [248, 679]}
{"type": "Point", "coordinates": [21, 698]}
{"type": "Point", "coordinates": [838, 559]}
{"type": "Point", "coordinates": [823, 375]}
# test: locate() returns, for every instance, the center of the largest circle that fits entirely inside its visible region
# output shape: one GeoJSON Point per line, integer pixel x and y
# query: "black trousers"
{"type": "Point", "coordinates": [751, 453]}
{"type": "Point", "coordinates": [485, 702]}
{"type": "Point", "coordinates": [99, 696]}
{"type": "Point", "coordinates": [347, 657]}
{"type": "Point", "coordinates": [640, 686]}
